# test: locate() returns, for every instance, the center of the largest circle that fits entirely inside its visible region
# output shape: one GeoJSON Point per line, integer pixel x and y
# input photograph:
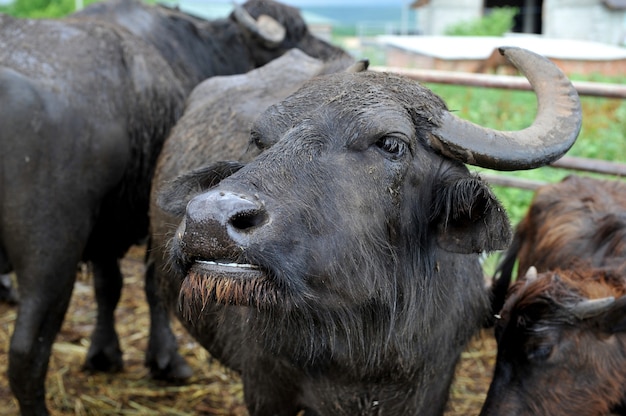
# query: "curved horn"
{"type": "Point", "coordinates": [551, 134]}
{"type": "Point", "coordinates": [593, 307]}
{"type": "Point", "coordinates": [266, 27]}
{"type": "Point", "coordinates": [359, 66]}
{"type": "Point", "coordinates": [531, 274]}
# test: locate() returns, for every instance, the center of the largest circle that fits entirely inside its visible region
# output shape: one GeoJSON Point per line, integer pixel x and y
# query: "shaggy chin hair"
{"type": "Point", "coordinates": [198, 290]}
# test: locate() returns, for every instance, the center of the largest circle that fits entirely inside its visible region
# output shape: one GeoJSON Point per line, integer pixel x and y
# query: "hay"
{"type": "Point", "coordinates": [211, 391]}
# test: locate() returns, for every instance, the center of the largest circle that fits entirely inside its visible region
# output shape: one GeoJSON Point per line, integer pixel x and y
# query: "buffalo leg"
{"type": "Point", "coordinates": [162, 357]}
{"type": "Point", "coordinates": [39, 318]}
{"type": "Point", "coordinates": [8, 293]}
{"type": "Point", "coordinates": [104, 352]}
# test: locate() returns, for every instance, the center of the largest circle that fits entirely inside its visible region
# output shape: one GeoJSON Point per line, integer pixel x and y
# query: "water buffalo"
{"type": "Point", "coordinates": [87, 105]}
{"type": "Point", "coordinates": [222, 108]}
{"type": "Point", "coordinates": [251, 36]}
{"type": "Point", "coordinates": [560, 334]}
{"type": "Point", "coordinates": [338, 271]}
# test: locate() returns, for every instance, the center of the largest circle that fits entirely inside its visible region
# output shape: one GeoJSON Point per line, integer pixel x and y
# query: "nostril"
{"type": "Point", "coordinates": [219, 224]}
{"type": "Point", "coordinates": [246, 220]}
{"type": "Point", "coordinates": [224, 208]}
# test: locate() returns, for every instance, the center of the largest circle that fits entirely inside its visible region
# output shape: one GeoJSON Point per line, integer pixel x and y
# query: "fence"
{"type": "Point", "coordinates": [593, 89]}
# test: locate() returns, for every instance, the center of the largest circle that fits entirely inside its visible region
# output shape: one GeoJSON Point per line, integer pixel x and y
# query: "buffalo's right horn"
{"type": "Point", "coordinates": [266, 27]}
{"type": "Point", "coordinates": [551, 134]}
{"type": "Point", "coordinates": [592, 307]}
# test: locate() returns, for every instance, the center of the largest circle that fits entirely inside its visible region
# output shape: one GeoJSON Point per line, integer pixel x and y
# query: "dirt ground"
{"type": "Point", "coordinates": [211, 391]}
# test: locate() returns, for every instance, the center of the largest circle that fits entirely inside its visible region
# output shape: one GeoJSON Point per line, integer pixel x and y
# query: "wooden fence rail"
{"type": "Point", "coordinates": [593, 89]}
{"type": "Point", "coordinates": [584, 88]}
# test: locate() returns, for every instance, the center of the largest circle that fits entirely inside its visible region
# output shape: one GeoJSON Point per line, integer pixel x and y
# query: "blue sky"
{"type": "Point", "coordinates": [324, 3]}
{"type": "Point", "coordinates": [301, 3]}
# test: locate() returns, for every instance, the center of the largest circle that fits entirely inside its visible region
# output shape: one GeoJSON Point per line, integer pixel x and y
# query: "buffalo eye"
{"type": "Point", "coordinates": [257, 139]}
{"type": "Point", "coordinates": [392, 145]}
{"type": "Point", "coordinates": [539, 353]}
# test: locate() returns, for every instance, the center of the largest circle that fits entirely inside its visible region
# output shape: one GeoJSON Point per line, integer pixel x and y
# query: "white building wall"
{"type": "Point", "coordinates": [438, 15]}
{"type": "Point", "coordinates": [562, 19]}
{"type": "Point", "coordinates": [583, 20]}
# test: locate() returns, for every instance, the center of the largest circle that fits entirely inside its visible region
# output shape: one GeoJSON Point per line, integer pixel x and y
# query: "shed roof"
{"type": "Point", "coordinates": [610, 4]}
{"type": "Point", "coordinates": [480, 47]}
{"type": "Point", "coordinates": [418, 3]}
{"type": "Point", "coordinates": [615, 4]}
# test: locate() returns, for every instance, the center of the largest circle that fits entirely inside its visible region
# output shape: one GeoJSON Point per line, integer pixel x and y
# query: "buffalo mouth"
{"type": "Point", "coordinates": [226, 283]}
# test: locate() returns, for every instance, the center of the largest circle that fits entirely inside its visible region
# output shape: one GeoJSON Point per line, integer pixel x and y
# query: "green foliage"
{"type": "Point", "coordinates": [41, 8]}
{"type": "Point", "coordinates": [496, 23]}
{"type": "Point", "coordinates": [340, 31]}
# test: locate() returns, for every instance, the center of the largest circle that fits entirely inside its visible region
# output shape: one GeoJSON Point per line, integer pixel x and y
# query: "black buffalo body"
{"type": "Point", "coordinates": [86, 106]}
{"type": "Point", "coordinates": [338, 271]}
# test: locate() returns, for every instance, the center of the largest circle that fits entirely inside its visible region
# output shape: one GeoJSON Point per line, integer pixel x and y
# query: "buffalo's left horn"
{"type": "Point", "coordinates": [591, 308]}
{"type": "Point", "coordinates": [551, 134]}
{"type": "Point", "coordinates": [359, 66]}
{"type": "Point", "coordinates": [531, 274]}
{"type": "Point", "coordinates": [266, 27]}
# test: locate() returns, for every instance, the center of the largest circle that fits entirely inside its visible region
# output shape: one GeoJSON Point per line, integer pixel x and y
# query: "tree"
{"type": "Point", "coordinates": [41, 8]}
{"type": "Point", "coordinates": [498, 22]}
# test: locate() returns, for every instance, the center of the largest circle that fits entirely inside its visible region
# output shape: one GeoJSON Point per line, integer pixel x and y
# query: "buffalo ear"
{"type": "Point", "coordinates": [175, 195]}
{"type": "Point", "coordinates": [470, 218]}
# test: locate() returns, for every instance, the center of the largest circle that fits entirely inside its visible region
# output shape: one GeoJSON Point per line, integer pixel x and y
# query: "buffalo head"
{"type": "Point", "coordinates": [561, 345]}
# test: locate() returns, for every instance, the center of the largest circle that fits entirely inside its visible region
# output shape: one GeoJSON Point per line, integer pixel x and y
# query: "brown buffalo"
{"type": "Point", "coordinates": [561, 340]}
